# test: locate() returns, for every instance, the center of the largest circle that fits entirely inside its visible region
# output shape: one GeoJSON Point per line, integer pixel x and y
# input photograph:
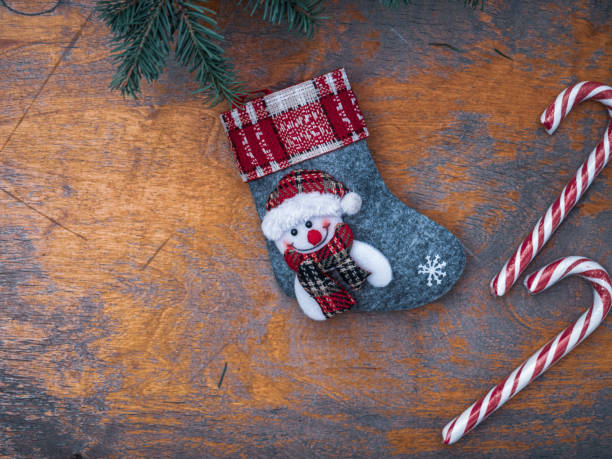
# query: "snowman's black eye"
{"type": "Point", "coordinates": [308, 224]}
{"type": "Point", "coordinates": [294, 232]}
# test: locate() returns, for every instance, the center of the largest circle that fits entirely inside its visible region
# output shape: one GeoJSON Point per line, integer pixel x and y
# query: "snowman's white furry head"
{"type": "Point", "coordinates": [302, 194]}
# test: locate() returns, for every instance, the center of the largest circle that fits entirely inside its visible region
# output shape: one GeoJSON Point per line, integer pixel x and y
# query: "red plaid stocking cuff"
{"type": "Point", "coordinates": [292, 125]}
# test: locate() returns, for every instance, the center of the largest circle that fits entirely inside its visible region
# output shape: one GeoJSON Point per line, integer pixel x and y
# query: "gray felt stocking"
{"type": "Point", "coordinates": [338, 238]}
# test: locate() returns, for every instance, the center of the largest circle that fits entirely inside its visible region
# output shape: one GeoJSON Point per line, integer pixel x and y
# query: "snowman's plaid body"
{"type": "Point", "coordinates": [312, 269]}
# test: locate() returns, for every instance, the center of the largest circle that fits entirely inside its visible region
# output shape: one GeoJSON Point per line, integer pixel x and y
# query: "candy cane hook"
{"type": "Point", "coordinates": [572, 192]}
{"type": "Point", "coordinates": [552, 351]}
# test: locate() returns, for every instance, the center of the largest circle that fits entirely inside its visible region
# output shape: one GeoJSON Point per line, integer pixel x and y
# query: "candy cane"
{"type": "Point", "coordinates": [572, 192]}
{"type": "Point", "coordinates": [552, 351]}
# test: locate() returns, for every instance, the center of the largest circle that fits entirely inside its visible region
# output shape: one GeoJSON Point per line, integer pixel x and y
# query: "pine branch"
{"type": "Point", "coordinates": [195, 50]}
{"type": "Point", "coordinates": [142, 32]}
{"type": "Point", "coordinates": [117, 14]}
{"type": "Point", "coordinates": [301, 15]}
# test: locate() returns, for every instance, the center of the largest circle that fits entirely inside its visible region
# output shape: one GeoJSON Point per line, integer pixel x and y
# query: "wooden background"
{"type": "Point", "coordinates": [132, 269]}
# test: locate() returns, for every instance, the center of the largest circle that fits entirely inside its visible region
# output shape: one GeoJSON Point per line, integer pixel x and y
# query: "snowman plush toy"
{"type": "Point", "coordinates": [304, 220]}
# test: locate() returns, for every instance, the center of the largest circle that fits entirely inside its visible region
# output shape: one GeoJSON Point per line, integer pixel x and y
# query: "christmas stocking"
{"type": "Point", "coordinates": [338, 238]}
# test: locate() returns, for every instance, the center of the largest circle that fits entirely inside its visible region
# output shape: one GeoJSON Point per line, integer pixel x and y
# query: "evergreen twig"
{"type": "Point", "coordinates": [143, 32]}
{"type": "Point", "coordinates": [301, 15]}
{"type": "Point", "coordinates": [195, 50]}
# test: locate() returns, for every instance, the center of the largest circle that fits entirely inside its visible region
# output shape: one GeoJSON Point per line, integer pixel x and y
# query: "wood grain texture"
{"type": "Point", "coordinates": [132, 268]}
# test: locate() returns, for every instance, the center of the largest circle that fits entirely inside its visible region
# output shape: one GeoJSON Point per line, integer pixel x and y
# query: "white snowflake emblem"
{"type": "Point", "coordinates": [433, 269]}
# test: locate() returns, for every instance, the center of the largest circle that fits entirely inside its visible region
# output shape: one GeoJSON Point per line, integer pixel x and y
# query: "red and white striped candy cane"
{"type": "Point", "coordinates": [552, 351]}
{"type": "Point", "coordinates": [572, 192]}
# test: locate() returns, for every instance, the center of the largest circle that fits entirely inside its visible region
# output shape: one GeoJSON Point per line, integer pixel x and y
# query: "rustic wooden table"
{"type": "Point", "coordinates": [132, 270]}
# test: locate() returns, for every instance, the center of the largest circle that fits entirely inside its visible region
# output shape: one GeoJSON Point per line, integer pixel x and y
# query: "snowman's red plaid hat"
{"type": "Point", "coordinates": [302, 194]}
{"type": "Point", "coordinates": [292, 125]}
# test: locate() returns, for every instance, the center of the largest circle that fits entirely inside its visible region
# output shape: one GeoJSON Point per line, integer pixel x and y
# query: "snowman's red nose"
{"type": "Point", "coordinates": [314, 237]}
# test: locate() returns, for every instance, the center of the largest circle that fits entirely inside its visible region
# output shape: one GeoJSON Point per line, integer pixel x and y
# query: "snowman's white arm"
{"type": "Point", "coordinates": [374, 261]}
{"type": "Point", "coordinates": [308, 304]}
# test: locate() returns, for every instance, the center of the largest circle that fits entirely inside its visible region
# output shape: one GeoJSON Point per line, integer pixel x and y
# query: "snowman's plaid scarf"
{"type": "Point", "coordinates": [312, 269]}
